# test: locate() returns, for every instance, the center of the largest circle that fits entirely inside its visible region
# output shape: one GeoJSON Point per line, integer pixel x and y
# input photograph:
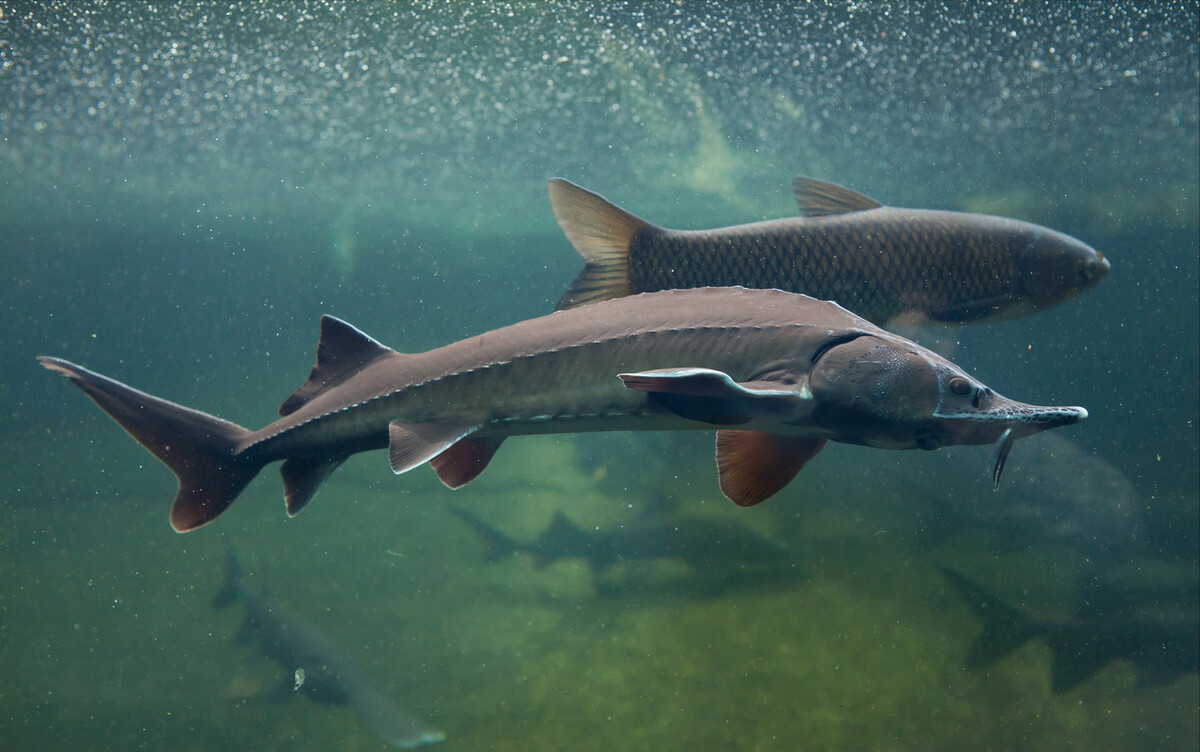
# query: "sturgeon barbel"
{"type": "Point", "coordinates": [887, 264]}
{"type": "Point", "coordinates": [776, 373]}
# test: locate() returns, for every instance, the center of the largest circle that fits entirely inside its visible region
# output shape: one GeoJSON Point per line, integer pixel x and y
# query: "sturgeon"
{"type": "Point", "coordinates": [887, 264]}
{"type": "Point", "coordinates": [322, 669]}
{"type": "Point", "coordinates": [777, 374]}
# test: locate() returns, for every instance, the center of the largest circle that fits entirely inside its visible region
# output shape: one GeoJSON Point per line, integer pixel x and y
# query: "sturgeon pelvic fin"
{"type": "Point", "coordinates": [753, 466]}
{"type": "Point", "coordinates": [602, 233]}
{"type": "Point", "coordinates": [413, 444]}
{"type": "Point", "coordinates": [201, 449]}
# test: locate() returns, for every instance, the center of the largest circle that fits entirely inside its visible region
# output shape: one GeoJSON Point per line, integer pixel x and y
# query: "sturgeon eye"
{"type": "Point", "coordinates": [959, 386]}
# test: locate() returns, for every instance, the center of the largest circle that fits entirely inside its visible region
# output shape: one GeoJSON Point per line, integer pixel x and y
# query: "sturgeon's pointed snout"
{"type": "Point", "coordinates": [1000, 415]}
{"type": "Point", "coordinates": [1026, 420]}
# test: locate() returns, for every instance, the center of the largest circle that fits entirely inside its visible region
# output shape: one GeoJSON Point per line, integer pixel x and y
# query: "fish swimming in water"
{"type": "Point", "coordinates": [778, 374]}
{"type": "Point", "coordinates": [715, 552]}
{"type": "Point", "coordinates": [323, 671]}
{"type": "Point", "coordinates": [886, 264]}
{"type": "Point", "coordinates": [1157, 628]}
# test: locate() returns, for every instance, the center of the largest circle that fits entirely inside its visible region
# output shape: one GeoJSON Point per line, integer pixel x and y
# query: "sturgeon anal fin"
{"type": "Point", "coordinates": [818, 198]}
{"type": "Point", "coordinates": [413, 444]}
{"type": "Point", "coordinates": [462, 462]}
{"type": "Point", "coordinates": [302, 478]}
{"type": "Point", "coordinates": [754, 466]}
{"type": "Point", "coordinates": [341, 351]}
{"type": "Point", "coordinates": [711, 396]}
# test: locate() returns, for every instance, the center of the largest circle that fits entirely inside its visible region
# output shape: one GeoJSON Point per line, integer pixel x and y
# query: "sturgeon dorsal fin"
{"type": "Point", "coordinates": [342, 350]}
{"type": "Point", "coordinates": [818, 198]}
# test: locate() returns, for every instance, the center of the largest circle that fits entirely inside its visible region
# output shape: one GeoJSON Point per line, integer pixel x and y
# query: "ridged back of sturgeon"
{"type": "Point", "coordinates": [559, 372]}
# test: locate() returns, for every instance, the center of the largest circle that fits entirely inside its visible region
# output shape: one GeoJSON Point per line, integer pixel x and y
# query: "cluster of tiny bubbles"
{"type": "Point", "coordinates": [428, 107]}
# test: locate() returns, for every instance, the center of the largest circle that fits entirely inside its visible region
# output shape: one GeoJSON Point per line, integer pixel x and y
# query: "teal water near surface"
{"type": "Point", "coordinates": [186, 188]}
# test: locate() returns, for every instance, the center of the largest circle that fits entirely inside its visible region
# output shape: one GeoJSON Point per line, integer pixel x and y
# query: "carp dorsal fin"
{"type": "Point", "coordinates": [342, 350]}
{"type": "Point", "coordinates": [753, 466]}
{"type": "Point", "coordinates": [818, 198]}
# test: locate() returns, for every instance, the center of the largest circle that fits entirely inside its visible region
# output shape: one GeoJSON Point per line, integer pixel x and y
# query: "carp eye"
{"type": "Point", "coordinates": [1088, 272]}
{"type": "Point", "coordinates": [960, 387]}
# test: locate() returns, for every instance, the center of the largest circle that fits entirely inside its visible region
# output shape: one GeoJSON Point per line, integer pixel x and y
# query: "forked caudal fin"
{"type": "Point", "coordinates": [200, 449]}
{"type": "Point", "coordinates": [602, 233]}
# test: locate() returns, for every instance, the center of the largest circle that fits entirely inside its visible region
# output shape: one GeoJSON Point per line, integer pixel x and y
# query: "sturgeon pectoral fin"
{"type": "Point", "coordinates": [464, 461]}
{"type": "Point", "coordinates": [711, 396]}
{"type": "Point", "coordinates": [413, 444]}
{"type": "Point", "coordinates": [302, 478]}
{"type": "Point", "coordinates": [1000, 455]}
{"type": "Point", "coordinates": [753, 466]}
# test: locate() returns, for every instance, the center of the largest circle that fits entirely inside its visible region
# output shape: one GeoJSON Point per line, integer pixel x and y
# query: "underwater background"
{"type": "Point", "coordinates": [185, 188]}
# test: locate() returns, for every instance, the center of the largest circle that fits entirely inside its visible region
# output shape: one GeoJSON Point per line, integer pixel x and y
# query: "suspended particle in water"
{"type": "Point", "coordinates": [299, 680]}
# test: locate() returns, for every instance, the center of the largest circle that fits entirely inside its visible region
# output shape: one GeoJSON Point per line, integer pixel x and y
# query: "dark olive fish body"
{"type": "Point", "coordinates": [881, 262]}
{"type": "Point", "coordinates": [777, 375]}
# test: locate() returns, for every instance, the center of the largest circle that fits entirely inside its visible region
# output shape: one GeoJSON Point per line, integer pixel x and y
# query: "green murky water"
{"type": "Point", "coordinates": [188, 187]}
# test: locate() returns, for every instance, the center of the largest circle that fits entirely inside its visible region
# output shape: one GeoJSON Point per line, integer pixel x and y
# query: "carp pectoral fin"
{"type": "Point", "coordinates": [981, 309]}
{"type": "Point", "coordinates": [464, 461]}
{"type": "Point", "coordinates": [711, 396]}
{"type": "Point", "coordinates": [818, 198]}
{"type": "Point", "coordinates": [414, 444]}
{"type": "Point", "coordinates": [753, 466]}
{"type": "Point", "coordinates": [302, 478]}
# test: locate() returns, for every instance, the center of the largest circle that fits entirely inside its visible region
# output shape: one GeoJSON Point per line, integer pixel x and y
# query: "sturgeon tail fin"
{"type": "Point", "coordinates": [602, 233]}
{"type": "Point", "coordinates": [201, 449]}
